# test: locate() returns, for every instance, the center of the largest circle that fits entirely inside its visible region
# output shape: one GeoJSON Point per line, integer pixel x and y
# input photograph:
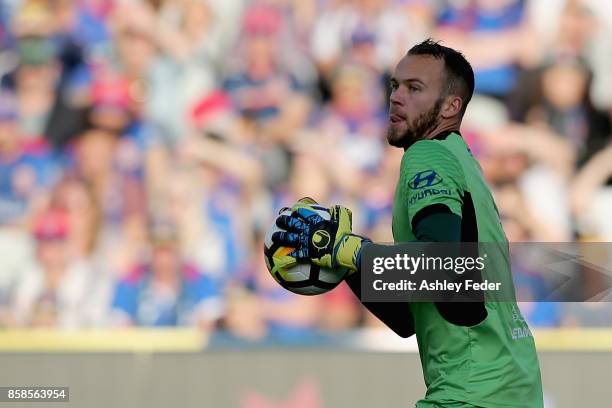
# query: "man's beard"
{"type": "Point", "coordinates": [416, 129]}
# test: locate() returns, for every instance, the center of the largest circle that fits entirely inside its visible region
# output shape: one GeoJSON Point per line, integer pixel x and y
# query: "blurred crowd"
{"type": "Point", "coordinates": [146, 145]}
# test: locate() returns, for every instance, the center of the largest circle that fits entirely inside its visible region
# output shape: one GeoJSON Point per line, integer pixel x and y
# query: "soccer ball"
{"type": "Point", "coordinates": [300, 278]}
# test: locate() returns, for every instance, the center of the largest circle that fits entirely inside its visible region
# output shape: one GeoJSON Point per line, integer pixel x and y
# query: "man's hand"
{"type": "Point", "coordinates": [328, 243]}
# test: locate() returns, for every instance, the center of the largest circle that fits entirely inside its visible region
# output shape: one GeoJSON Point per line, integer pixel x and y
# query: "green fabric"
{"type": "Point", "coordinates": [491, 364]}
{"type": "Point", "coordinates": [451, 404]}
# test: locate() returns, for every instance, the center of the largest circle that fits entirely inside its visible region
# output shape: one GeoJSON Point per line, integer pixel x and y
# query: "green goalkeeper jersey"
{"type": "Point", "coordinates": [491, 364]}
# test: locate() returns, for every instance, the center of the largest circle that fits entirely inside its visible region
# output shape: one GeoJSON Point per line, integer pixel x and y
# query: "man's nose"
{"type": "Point", "coordinates": [395, 98]}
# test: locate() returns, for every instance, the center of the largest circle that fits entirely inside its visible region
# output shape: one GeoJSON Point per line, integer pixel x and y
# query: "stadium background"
{"type": "Point", "coordinates": [146, 145]}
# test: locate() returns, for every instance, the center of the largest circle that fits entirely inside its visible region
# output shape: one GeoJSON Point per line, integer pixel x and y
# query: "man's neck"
{"type": "Point", "coordinates": [446, 127]}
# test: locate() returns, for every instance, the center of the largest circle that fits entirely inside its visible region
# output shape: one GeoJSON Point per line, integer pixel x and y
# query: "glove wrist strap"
{"type": "Point", "coordinates": [348, 251]}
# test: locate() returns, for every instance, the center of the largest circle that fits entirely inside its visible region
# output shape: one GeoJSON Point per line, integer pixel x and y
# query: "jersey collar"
{"type": "Point", "coordinates": [443, 135]}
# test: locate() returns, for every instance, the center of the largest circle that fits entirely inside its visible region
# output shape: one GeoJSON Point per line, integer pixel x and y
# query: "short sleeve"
{"type": "Point", "coordinates": [431, 180]}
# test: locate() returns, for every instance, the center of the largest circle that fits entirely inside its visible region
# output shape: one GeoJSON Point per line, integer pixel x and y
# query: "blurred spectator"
{"type": "Point", "coordinates": [27, 172]}
{"type": "Point", "coordinates": [522, 223]}
{"type": "Point", "coordinates": [120, 193]}
{"type": "Point", "coordinates": [183, 49]}
{"type": "Point", "coordinates": [350, 127]}
{"type": "Point", "coordinates": [560, 100]}
{"type": "Point", "coordinates": [386, 25]}
{"type": "Point", "coordinates": [493, 34]}
{"type": "Point", "coordinates": [209, 214]}
{"type": "Point", "coordinates": [165, 289]}
{"type": "Point", "coordinates": [263, 85]}
{"type": "Point", "coordinates": [591, 196]}
{"type": "Point", "coordinates": [35, 81]}
{"type": "Point", "coordinates": [567, 109]}
{"type": "Point", "coordinates": [574, 29]}
{"type": "Point", "coordinates": [82, 213]}
{"type": "Point", "coordinates": [534, 161]}
{"type": "Point", "coordinates": [87, 242]}
{"type": "Point", "coordinates": [56, 291]}
{"type": "Point", "coordinates": [111, 102]}
{"type": "Point", "coordinates": [27, 168]}
{"type": "Point", "coordinates": [48, 68]}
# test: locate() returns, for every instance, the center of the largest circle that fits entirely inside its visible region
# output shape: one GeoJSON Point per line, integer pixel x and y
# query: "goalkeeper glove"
{"type": "Point", "coordinates": [326, 243]}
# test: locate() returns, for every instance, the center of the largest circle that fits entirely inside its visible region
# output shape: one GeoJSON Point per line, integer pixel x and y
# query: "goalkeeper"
{"type": "Point", "coordinates": [468, 353]}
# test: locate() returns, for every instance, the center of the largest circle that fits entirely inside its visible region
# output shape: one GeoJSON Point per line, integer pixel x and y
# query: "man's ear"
{"type": "Point", "coordinates": [452, 106]}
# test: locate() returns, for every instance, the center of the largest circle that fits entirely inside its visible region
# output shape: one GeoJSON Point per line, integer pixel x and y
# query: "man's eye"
{"type": "Point", "coordinates": [394, 85]}
{"type": "Point", "coordinates": [413, 88]}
